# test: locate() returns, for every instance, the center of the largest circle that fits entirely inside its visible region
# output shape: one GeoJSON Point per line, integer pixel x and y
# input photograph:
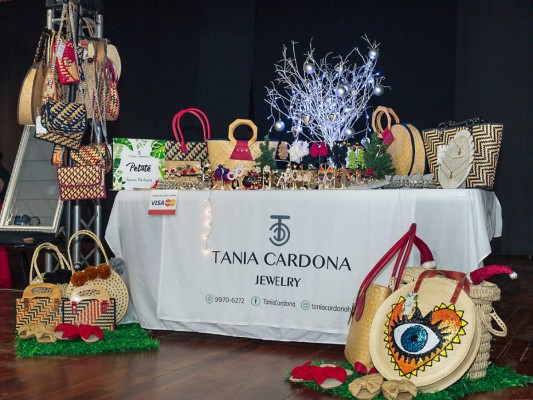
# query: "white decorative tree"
{"type": "Point", "coordinates": [323, 100]}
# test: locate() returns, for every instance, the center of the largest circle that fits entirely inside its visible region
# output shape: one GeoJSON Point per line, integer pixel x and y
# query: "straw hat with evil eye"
{"type": "Point", "coordinates": [427, 331]}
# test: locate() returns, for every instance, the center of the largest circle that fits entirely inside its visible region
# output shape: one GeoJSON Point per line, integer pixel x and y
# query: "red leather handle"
{"type": "Point", "coordinates": [178, 134]}
{"type": "Point", "coordinates": [460, 277]}
{"type": "Point", "coordinates": [402, 247]}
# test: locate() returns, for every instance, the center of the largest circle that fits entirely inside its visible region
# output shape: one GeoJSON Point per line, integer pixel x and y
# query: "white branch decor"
{"type": "Point", "coordinates": [323, 100]}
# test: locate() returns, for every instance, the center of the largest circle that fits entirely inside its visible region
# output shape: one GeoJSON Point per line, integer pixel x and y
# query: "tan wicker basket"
{"type": "Point", "coordinates": [482, 296]}
{"type": "Point", "coordinates": [114, 284]}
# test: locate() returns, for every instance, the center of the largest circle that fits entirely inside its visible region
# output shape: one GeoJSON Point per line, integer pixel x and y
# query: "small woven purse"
{"type": "Point", "coordinates": [84, 182]}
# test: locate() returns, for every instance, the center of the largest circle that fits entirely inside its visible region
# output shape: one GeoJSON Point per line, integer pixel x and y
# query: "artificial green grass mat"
{"type": "Point", "coordinates": [126, 337]}
{"type": "Point", "coordinates": [497, 378]}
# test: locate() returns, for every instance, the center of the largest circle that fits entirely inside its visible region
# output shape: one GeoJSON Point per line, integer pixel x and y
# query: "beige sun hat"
{"type": "Point", "coordinates": [427, 332]}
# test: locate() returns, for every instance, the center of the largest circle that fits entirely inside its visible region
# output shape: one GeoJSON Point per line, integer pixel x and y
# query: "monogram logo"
{"type": "Point", "coordinates": [281, 232]}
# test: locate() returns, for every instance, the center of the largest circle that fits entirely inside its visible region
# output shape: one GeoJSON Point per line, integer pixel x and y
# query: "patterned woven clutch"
{"type": "Point", "coordinates": [40, 304]}
{"type": "Point", "coordinates": [180, 150]}
{"type": "Point", "coordinates": [64, 117]}
{"type": "Point", "coordinates": [487, 141]}
{"type": "Point", "coordinates": [81, 183]}
{"type": "Point", "coordinates": [90, 304]}
{"type": "Point", "coordinates": [93, 154]}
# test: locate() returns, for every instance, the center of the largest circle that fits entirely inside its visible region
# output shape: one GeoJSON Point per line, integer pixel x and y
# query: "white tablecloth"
{"type": "Point", "coordinates": [220, 264]}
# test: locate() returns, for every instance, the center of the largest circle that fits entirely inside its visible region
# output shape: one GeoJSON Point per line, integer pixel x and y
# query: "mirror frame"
{"type": "Point", "coordinates": [11, 190]}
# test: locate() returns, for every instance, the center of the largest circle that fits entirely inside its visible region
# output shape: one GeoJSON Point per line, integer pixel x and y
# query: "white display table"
{"type": "Point", "coordinates": [283, 265]}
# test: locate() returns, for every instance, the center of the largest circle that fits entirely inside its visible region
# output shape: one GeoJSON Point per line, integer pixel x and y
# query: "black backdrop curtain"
{"type": "Point", "coordinates": [443, 60]}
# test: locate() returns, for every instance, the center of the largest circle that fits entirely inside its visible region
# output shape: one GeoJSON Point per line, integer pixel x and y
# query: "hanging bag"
{"type": "Point", "coordinates": [371, 296]}
{"type": "Point", "coordinates": [31, 90]}
{"type": "Point", "coordinates": [85, 182]}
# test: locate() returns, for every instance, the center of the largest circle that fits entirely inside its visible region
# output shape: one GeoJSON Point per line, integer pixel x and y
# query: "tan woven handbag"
{"type": "Point", "coordinates": [114, 284]}
{"type": "Point", "coordinates": [31, 91]}
{"type": "Point", "coordinates": [482, 295]}
{"type": "Point", "coordinates": [40, 304]}
{"type": "Point", "coordinates": [84, 182]}
{"type": "Point", "coordinates": [404, 142]}
{"type": "Point", "coordinates": [237, 153]}
{"type": "Point", "coordinates": [36, 276]}
{"type": "Point", "coordinates": [487, 141]}
{"type": "Point", "coordinates": [371, 296]}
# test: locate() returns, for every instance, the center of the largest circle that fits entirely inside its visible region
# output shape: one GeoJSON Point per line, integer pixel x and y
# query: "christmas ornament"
{"type": "Point", "coordinates": [279, 126]}
{"type": "Point", "coordinates": [365, 142]}
{"type": "Point", "coordinates": [348, 132]}
{"type": "Point", "coordinates": [309, 68]}
{"type": "Point", "coordinates": [378, 90]}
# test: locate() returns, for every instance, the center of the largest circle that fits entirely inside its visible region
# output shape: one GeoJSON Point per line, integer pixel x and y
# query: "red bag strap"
{"type": "Point", "coordinates": [178, 134]}
{"type": "Point", "coordinates": [460, 277]}
{"type": "Point", "coordinates": [403, 248]}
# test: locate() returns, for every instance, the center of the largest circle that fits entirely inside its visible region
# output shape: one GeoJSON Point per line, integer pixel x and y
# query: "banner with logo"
{"type": "Point", "coordinates": [137, 163]}
{"type": "Point", "coordinates": [272, 258]}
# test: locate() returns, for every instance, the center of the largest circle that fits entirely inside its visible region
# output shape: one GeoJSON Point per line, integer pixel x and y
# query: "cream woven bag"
{"type": "Point", "coordinates": [237, 153]}
{"type": "Point", "coordinates": [114, 284]}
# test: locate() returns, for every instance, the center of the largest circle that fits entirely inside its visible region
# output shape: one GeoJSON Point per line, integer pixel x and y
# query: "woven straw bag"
{"type": "Point", "coordinates": [371, 296]}
{"type": "Point", "coordinates": [114, 284]}
{"type": "Point", "coordinates": [237, 153]}
{"type": "Point", "coordinates": [31, 90]}
{"type": "Point", "coordinates": [427, 331]}
{"type": "Point", "coordinates": [34, 268]}
{"type": "Point", "coordinates": [482, 296]}
{"type": "Point", "coordinates": [404, 142]}
{"type": "Point", "coordinates": [487, 142]}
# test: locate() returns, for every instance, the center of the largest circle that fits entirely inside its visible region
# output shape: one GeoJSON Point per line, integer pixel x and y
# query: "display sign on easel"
{"type": "Point", "coordinates": [137, 163]}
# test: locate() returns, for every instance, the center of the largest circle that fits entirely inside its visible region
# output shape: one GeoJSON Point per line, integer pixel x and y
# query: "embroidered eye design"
{"type": "Point", "coordinates": [415, 339]}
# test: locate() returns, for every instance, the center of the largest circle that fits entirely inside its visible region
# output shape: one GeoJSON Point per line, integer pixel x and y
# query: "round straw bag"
{"type": "Point", "coordinates": [427, 331]}
{"type": "Point", "coordinates": [482, 296]}
{"type": "Point", "coordinates": [39, 277]}
{"type": "Point", "coordinates": [404, 142]}
{"type": "Point", "coordinates": [114, 284]}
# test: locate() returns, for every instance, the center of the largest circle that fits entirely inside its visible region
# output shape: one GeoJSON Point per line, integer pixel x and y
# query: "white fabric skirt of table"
{"type": "Point", "coordinates": [283, 265]}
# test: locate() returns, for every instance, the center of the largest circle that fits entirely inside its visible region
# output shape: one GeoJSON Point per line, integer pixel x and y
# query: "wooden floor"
{"type": "Point", "coordinates": [201, 366]}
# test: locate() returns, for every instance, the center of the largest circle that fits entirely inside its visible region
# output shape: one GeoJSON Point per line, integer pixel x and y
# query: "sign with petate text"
{"type": "Point", "coordinates": [137, 163]}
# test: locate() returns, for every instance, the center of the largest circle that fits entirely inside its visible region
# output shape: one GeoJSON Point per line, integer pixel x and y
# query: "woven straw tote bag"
{"type": "Point", "coordinates": [404, 142]}
{"type": "Point", "coordinates": [113, 284]}
{"type": "Point", "coordinates": [371, 296]}
{"type": "Point", "coordinates": [483, 295]}
{"type": "Point", "coordinates": [35, 274]}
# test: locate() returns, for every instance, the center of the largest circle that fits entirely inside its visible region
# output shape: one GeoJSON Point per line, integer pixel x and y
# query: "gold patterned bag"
{"type": "Point", "coordinates": [234, 153]}
{"type": "Point", "coordinates": [487, 141]}
{"type": "Point", "coordinates": [40, 304]}
{"type": "Point", "coordinates": [85, 182]}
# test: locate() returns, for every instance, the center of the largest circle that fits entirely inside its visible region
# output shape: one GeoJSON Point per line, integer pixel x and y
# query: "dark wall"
{"type": "Point", "coordinates": [220, 55]}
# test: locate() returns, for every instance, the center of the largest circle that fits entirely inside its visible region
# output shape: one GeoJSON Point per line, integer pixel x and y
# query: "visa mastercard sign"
{"type": "Point", "coordinates": [163, 202]}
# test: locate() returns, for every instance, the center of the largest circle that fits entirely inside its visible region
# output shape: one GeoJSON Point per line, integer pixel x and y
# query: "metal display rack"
{"type": "Point", "coordinates": [86, 214]}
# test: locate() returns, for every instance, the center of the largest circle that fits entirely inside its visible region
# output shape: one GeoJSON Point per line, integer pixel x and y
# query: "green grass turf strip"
{"type": "Point", "coordinates": [497, 378]}
{"type": "Point", "coordinates": [127, 337]}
